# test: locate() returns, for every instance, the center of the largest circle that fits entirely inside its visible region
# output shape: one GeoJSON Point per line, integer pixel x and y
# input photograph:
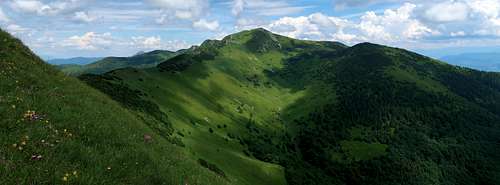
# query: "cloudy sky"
{"type": "Point", "coordinates": [69, 28]}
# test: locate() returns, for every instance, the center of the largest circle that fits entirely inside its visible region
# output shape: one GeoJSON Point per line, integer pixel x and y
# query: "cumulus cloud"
{"type": "Point", "coordinates": [410, 24]}
{"type": "Point", "coordinates": [89, 41]}
{"type": "Point", "coordinates": [203, 24]}
{"type": "Point", "coordinates": [181, 9]}
{"type": "Point", "coordinates": [83, 17]}
{"type": "Point", "coordinates": [472, 17]}
{"type": "Point", "coordinates": [41, 8]}
{"type": "Point", "coordinates": [487, 15]}
{"type": "Point", "coordinates": [155, 42]}
{"type": "Point", "coordinates": [392, 26]}
{"type": "Point", "coordinates": [315, 26]}
{"type": "Point", "coordinates": [147, 42]}
{"type": "Point", "coordinates": [238, 6]}
{"type": "Point", "coordinates": [447, 12]}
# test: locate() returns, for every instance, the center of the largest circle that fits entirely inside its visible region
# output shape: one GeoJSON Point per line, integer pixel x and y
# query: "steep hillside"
{"type": "Point", "coordinates": [265, 109]}
{"type": "Point", "coordinates": [143, 60]}
{"type": "Point", "coordinates": [56, 130]}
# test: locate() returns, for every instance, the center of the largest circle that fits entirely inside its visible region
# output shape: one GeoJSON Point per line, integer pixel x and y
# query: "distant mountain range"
{"type": "Point", "coordinates": [139, 60]}
{"type": "Point", "coordinates": [479, 61]}
{"type": "Point", "coordinates": [73, 61]}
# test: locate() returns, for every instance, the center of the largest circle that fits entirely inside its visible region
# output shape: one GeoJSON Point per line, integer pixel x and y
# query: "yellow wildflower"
{"type": "Point", "coordinates": [20, 148]}
{"type": "Point", "coordinates": [23, 143]}
{"type": "Point", "coordinates": [75, 173]}
{"type": "Point", "coordinates": [65, 178]}
{"type": "Point", "coordinates": [14, 145]}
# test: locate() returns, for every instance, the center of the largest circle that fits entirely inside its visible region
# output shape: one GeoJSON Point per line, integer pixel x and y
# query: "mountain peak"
{"type": "Point", "coordinates": [256, 40]}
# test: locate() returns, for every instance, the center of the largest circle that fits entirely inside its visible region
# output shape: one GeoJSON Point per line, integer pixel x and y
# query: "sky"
{"type": "Point", "coordinates": [99, 28]}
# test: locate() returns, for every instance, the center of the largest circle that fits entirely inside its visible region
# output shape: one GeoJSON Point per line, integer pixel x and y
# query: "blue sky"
{"type": "Point", "coordinates": [70, 28]}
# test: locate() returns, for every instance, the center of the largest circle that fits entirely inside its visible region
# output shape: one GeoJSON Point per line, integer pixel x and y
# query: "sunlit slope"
{"type": "Point", "coordinates": [265, 109]}
{"type": "Point", "coordinates": [56, 130]}
{"type": "Point", "coordinates": [213, 95]}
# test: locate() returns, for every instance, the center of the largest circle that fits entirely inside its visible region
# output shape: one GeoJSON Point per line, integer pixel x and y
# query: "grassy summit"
{"type": "Point", "coordinates": [56, 130]}
{"type": "Point", "coordinates": [326, 113]}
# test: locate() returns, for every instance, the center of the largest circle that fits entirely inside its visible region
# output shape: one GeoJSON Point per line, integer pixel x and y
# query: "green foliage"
{"type": "Point", "coordinates": [55, 129]}
{"type": "Point", "coordinates": [310, 113]}
{"type": "Point", "coordinates": [212, 167]}
{"type": "Point", "coordinates": [329, 114]}
{"type": "Point", "coordinates": [358, 151]}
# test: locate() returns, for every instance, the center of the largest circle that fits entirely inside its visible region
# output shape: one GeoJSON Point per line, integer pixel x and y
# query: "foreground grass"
{"type": "Point", "coordinates": [56, 130]}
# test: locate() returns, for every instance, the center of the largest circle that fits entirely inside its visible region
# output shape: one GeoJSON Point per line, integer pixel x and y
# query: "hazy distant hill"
{"type": "Point", "coordinates": [140, 60]}
{"type": "Point", "coordinates": [74, 61]}
{"type": "Point", "coordinates": [479, 61]}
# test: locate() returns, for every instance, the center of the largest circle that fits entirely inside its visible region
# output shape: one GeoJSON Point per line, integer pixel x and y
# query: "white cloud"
{"type": "Point", "coordinates": [16, 29]}
{"type": "Point", "coordinates": [40, 8]}
{"type": "Point", "coordinates": [394, 25]}
{"type": "Point", "coordinates": [472, 17]}
{"type": "Point", "coordinates": [486, 8]}
{"type": "Point", "coordinates": [147, 42]}
{"type": "Point", "coordinates": [83, 17]}
{"type": "Point", "coordinates": [487, 13]}
{"type": "Point", "coordinates": [265, 7]}
{"type": "Point", "coordinates": [89, 41]}
{"type": "Point", "coordinates": [203, 24]}
{"type": "Point", "coordinates": [31, 6]}
{"type": "Point", "coordinates": [457, 34]}
{"type": "Point", "coordinates": [390, 27]}
{"type": "Point", "coordinates": [3, 17]}
{"type": "Point", "coordinates": [181, 9]}
{"type": "Point", "coordinates": [155, 42]}
{"type": "Point", "coordinates": [238, 6]}
{"type": "Point", "coordinates": [316, 26]}
{"type": "Point", "coordinates": [447, 12]}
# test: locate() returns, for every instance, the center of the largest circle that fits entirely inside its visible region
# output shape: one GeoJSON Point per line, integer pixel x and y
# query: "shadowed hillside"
{"type": "Point", "coordinates": [267, 109]}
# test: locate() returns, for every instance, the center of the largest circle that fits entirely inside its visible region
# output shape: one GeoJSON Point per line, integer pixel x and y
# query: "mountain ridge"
{"type": "Point", "coordinates": [330, 114]}
{"type": "Point", "coordinates": [144, 60]}
{"type": "Point", "coordinates": [259, 108]}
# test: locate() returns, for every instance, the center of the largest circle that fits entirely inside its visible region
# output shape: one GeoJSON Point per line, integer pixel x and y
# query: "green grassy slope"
{"type": "Point", "coordinates": [77, 135]}
{"type": "Point", "coordinates": [212, 102]}
{"type": "Point", "coordinates": [266, 109]}
{"type": "Point", "coordinates": [104, 65]}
